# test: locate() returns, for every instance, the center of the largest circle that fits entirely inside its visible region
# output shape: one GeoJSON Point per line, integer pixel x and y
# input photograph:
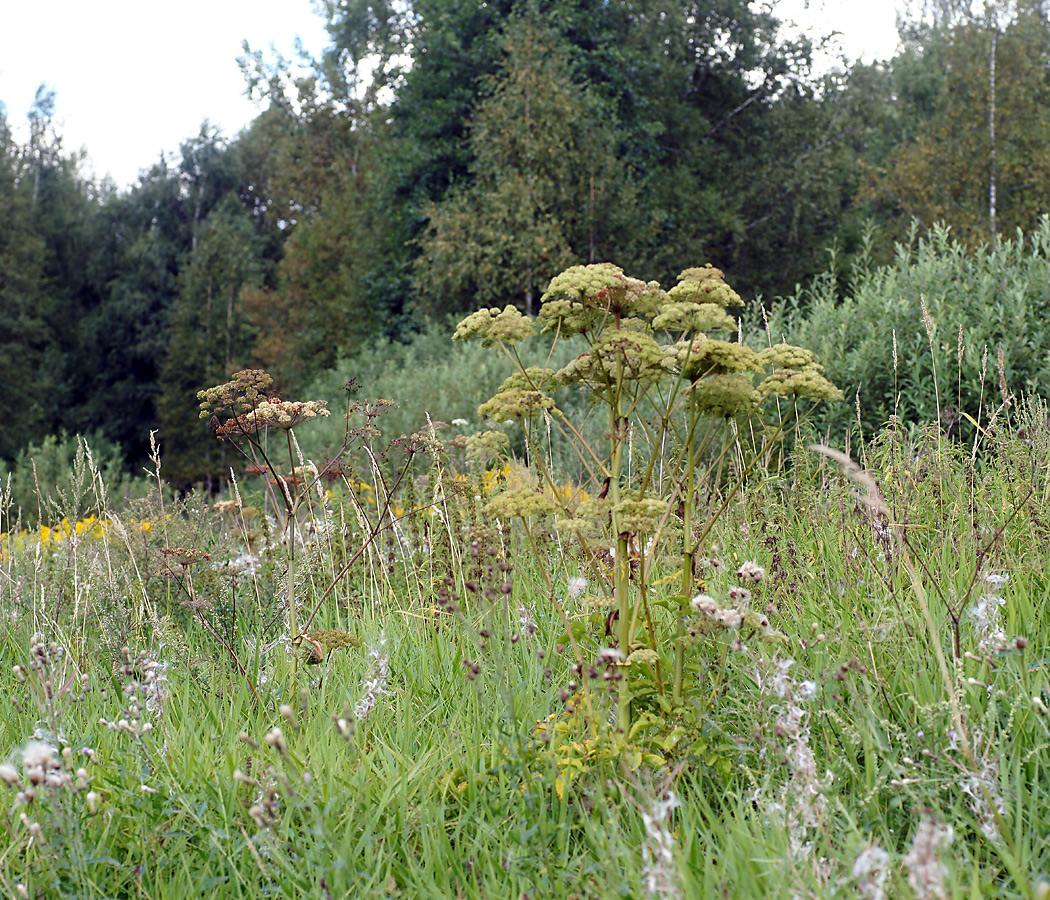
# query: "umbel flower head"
{"type": "Point", "coordinates": [272, 413]}
{"type": "Point", "coordinates": [184, 556]}
{"type": "Point", "coordinates": [805, 384]}
{"type": "Point", "coordinates": [640, 515]}
{"type": "Point", "coordinates": [517, 403]}
{"type": "Point", "coordinates": [495, 326]}
{"type": "Point", "coordinates": [726, 396]}
{"type": "Point", "coordinates": [485, 446]}
{"type": "Point", "coordinates": [533, 378]}
{"type": "Point", "coordinates": [253, 411]}
{"type": "Point", "coordinates": [704, 356]}
{"type": "Point", "coordinates": [583, 298]}
{"type": "Point", "coordinates": [694, 317]}
{"type": "Point", "coordinates": [590, 524]}
{"type": "Point", "coordinates": [788, 356]}
{"type": "Point", "coordinates": [238, 395]}
{"type": "Point", "coordinates": [796, 373]}
{"type": "Point", "coordinates": [520, 502]}
{"type": "Point", "coordinates": [704, 284]}
{"type": "Point", "coordinates": [285, 414]}
{"type": "Point", "coordinates": [633, 352]}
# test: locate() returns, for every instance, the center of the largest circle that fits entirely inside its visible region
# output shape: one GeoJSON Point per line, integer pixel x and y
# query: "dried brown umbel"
{"type": "Point", "coordinates": [184, 556]}
{"type": "Point", "coordinates": [271, 413]}
{"type": "Point", "coordinates": [292, 480]}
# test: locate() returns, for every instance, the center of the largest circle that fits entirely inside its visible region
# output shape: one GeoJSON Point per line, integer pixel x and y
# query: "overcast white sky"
{"type": "Point", "coordinates": [137, 77]}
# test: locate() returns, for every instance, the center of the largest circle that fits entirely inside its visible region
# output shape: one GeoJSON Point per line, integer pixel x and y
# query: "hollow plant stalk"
{"type": "Point", "coordinates": [622, 562]}
{"type": "Point", "coordinates": [688, 555]}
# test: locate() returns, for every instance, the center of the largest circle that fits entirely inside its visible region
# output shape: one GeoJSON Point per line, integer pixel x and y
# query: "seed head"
{"type": "Point", "coordinates": [275, 738]}
{"type": "Point", "coordinates": [751, 571]}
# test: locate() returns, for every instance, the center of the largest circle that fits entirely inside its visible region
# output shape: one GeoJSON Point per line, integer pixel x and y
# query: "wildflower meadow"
{"type": "Point", "coordinates": [636, 629]}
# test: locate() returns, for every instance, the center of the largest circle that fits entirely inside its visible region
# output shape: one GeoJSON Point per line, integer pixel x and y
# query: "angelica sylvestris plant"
{"type": "Point", "coordinates": [242, 411]}
{"type": "Point", "coordinates": [647, 348]}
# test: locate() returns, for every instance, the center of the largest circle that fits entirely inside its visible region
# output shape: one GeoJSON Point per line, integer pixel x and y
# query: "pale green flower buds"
{"type": "Point", "coordinates": [808, 384]}
{"type": "Point", "coordinates": [706, 356]}
{"type": "Point", "coordinates": [487, 445]}
{"type": "Point", "coordinates": [495, 326]}
{"type": "Point", "coordinates": [588, 297]}
{"type": "Point", "coordinates": [517, 404]}
{"type": "Point", "coordinates": [788, 356]}
{"type": "Point", "coordinates": [726, 396]}
{"type": "Point", "coordinates": [520, 502]}
{"type": "Point", "coordinates": [640, 515]}
{"type": "Point", "coordinates": [694, 317]}
{"type": "Point", "coordinates": [705, 284]}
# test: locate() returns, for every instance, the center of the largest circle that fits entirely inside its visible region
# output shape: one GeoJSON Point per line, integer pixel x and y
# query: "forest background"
{"type": "Point", "coordinates": [441, 156]}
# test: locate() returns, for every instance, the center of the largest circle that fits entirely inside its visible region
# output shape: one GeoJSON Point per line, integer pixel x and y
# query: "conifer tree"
{"type": "Point", "coordinates": [547, 187]}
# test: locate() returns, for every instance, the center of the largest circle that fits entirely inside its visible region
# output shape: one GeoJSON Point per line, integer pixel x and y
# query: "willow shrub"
{"type": "Point", "coordinates": [873, 336]}
{"type": "Point", "coordinates": [645, 348]}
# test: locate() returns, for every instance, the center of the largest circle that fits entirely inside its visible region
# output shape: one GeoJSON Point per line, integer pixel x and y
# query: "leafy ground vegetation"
{"type": "Point", "coordinates": [713, 658]}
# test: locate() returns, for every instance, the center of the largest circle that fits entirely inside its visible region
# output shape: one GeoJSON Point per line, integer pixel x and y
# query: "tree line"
{"type": "Point", "coordinates": [442, 156]}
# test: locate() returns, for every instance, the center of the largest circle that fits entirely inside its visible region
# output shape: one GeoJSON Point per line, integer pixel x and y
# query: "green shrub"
{"type": "Point", "coordinates": [429, 375]}
{"type": "Point", "coordinates": [873, 338]}
{"type": "Point", "coordinates": [52, 479]}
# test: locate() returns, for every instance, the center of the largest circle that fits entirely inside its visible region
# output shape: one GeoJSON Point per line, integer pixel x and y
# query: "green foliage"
{"type": "Point", "coordinates": [547, 186]}
{"type": "Point", "coordinates": [46, 219]}
{"type": "Point", "coordinates": [873, 338]}
{"type": "Point", "coordinates": [440, 156]}
{"type": "Point", "coordinates": [675, 149]}
{"type": "Point", "coordinates": [52, 480]}
{"type": "Point", "coordinates": [208, 338]}
{"type": "Point", "coordinates": [425, 375]}
{"type": "Point", "coordinates": [24, 336]}
{"type": "Point", "coordinates": [392, 770]}
{"type": "Point", "coordinates": [158, 258]}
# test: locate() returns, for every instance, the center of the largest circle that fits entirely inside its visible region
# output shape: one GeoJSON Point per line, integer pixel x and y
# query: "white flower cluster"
{"type": "Point", "coordinates": [801, 804]}
{"type": "Point", "coordinates": [658, 868]}
{"type": "Point", "coordinates": [576, 586]}
{"type": "Point", "coordinates": [982, 787]}
{"type": "Point", "coordinates": [375, 684]}
{"type": "Point", "coordinates": [246, 565]}
{"type": "Point", "coordinates": [926, 870]}
{"type": "Point", "coordinates": [145, 690]}
{"type": "Point", "coordinates": [735, 614]}
{"type": "Point", "coordinates": [706, 605]}
{"type": "Point", "coordinates": [45, 769]}
{"type": "Point", "coordinates": [987, 617]}
{"type": "Point", "coordinates": [870, 870]}
{"type": "Point", "coordinates": [154, 684]}
{"type": "Point", "coordinates": [526, 619]}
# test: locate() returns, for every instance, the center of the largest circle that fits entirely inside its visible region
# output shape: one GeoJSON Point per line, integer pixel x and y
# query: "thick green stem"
{"type": "Point", "coordinates": [687, 556]}
{"type": "Point", "coordinates": [622, 561]}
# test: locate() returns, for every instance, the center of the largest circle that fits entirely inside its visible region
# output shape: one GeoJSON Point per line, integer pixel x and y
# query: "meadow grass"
{"type": "Point", "coordinates": [157, 742]}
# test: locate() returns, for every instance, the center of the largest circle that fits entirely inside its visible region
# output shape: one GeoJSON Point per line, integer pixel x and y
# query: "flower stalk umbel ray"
{"type": "Point", "coordinates": [621, 320]}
